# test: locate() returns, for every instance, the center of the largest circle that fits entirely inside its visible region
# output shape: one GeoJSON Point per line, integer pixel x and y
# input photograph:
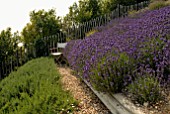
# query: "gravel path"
{"type": "Point", "coordinates": [89, 103]}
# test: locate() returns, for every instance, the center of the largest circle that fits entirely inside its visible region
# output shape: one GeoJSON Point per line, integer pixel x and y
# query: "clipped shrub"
{"type": "Point", "coordinates": [158, 4]}
{"type": "Point", "coordinates": [145, 89]}
{"type": "Point", "coordinates": [35, 88]}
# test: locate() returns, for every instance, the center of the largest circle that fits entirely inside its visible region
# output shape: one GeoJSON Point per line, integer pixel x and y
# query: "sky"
{"type": "Point", "coordinates": [15, 13]}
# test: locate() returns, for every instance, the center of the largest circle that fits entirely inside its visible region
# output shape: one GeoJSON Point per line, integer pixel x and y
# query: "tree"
{"type": "Point", "coordinates": [84, 11]}
{"type": "Point", "coordinates": [94, 7]}
{"type": "Point", "coordinates": [8, 43]}
{"type": "Point", "coordinates": [42, 23]}
{"type": "Point", "coordinates": [108, 6]}
{"type": "Point", "coordinates": [29, 33]}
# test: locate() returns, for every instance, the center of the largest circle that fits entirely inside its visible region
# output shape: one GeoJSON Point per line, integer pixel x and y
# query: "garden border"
{"type": "Point", "coordinates": [116, 103]}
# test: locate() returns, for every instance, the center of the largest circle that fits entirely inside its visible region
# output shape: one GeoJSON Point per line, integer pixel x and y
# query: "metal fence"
{"type": "Point", "coordinates": [77, 31]}
{"type": "Point", "coordinates": [11, 63]}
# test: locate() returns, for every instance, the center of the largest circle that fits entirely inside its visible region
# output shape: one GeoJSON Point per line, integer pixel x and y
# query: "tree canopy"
{"type": "Point", "coordinates": [8, 43]}
{"type": "Point", "coordinates": [42, 23]}
{"type": "Point", "coordinates": [84, 11]}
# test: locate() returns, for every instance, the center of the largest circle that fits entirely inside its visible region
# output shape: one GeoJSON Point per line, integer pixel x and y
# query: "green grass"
{"type": "Point", "coordinates": [35, 89]}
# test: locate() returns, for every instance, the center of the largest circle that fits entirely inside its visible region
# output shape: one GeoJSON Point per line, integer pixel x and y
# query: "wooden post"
{"type": "Point", "coordinates": [119, 9]}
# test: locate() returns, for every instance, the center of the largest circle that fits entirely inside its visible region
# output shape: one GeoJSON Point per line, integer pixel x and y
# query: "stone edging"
{"type": "Point", "coordinates": [116, 103]}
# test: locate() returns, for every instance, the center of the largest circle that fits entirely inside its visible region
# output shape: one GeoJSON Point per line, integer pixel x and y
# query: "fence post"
{"type": "Point", "coordinates": [137, 5]}
{"type": "Point", "coordinates": [83, 30]}
{"type": "Point", "coordinates": [142, 5]}
{"type": "Point", "coordinates": [78, 31]}
{"type": "Point", "coordinates": [119, 9]}
{"type": "Point", "coordinates": [126, 11]}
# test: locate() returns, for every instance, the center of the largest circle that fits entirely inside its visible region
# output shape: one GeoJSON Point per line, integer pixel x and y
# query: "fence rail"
{"type": "Point", "coordinates": [77, 31]}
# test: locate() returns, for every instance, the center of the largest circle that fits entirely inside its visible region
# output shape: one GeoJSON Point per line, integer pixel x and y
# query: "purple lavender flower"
{"type": "Point", "coordinates": [144, 39]}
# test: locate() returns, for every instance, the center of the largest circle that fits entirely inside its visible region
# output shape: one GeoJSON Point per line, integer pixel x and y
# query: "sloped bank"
{"type": "Point", "coordinates": [134, 50]}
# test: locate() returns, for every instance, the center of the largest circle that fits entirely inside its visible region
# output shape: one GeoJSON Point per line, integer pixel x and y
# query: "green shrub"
{"type": "Point", "coordinates": [145, 89]}
{"type": "Point", "coordinates": [68, 39]}
{"type": "Point", "coordinates": [91, 32]}
{"type": "Point", "coordinates": [132, 13]}
{"type": "Point", "coordinates": [158, 4]}
{"type": "Point", "coordinates": [35, 89]}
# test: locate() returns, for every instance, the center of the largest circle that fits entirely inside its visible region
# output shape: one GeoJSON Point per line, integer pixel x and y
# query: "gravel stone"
{"type": "Point", "coordinates": [89, 102]}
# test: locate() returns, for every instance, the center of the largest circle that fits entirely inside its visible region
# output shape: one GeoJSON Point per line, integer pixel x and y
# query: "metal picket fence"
{"type": "Point", "coordinates": [11, 63]}
{"type": "Point", "coordinates": [77, 31]}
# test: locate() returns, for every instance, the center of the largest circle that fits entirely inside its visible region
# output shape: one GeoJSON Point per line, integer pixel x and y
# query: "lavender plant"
{"type": "Point", "coordinates": [145, 89]}
{"type": "Point", "coordinates": [144, 39]}
{"type": "Point", "coordinates": [109, 75]}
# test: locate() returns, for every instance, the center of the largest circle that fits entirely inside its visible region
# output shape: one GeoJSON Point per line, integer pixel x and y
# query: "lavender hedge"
{"type": "Point", "coordinates": [125, 48]}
